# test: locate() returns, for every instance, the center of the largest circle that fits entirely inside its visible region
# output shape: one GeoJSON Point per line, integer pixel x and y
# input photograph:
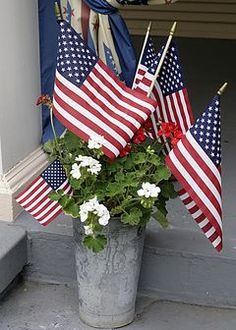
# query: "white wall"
{"type": "Point", "coordinates": [20, 122]}
{"type": "Point", "coordinates": [1, 168]}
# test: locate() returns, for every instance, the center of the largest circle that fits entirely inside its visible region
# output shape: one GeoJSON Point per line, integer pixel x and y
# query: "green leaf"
{"type": "Point", "coordinates": [129, 163]}
{"type": "Point", "coordinates": [119, 177]}
{"type": "Point", "coordinates": [168, 190]}
{"type": "Point", "coordinates": [116, 165]}
{"type": "Point", "coordinates": [72, 142]}
{"type": "Point", "coordinates": [61, 192]}
{"type": "Point", "coordinates": [132, 179]}
{"type": "Point", "coordinates": [114, 189]}
{"type": "Point", "coordinates": [139, 158]}
{"type": "Point", "coordinates": [161, 218]}
{"type": "Point", "coordinates": [146, 216]}
{"type": "Point", "coordinates": [160, 204]}
{"type": "Point", "coordinates": [64, 201]}
{"type": "Point", "coordinates": [154, 159]}
{"type": "Point", "coordinates": [163, 173]}
{"type": "Point", "coordinates": [50, 147]}
{"type": "Point", "coordinates": [52, 157]}
{"type": "Point", "coordinates": [116, 210]}
{"type": "Point", "coordinates": [72, 209]}
{"type": "Point", "coordinates": [133, 217]}
{"type": "Point", "coordinates": [75, 184]}
{"type": "Point", "coordinates": [54, 196]}
{"type": "Point", "coordinates": [96, 244]}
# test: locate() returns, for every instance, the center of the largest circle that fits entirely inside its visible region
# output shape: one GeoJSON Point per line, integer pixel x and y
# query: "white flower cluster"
{"type": "Point", "coordinates": [75, 172]}
{"type": "Point", "coordinates": [96, 142]}
{"type": "Point", "coordinates": [88, 230]}
{"type": "Point", "coordinates": [94, 207]}
{"type": "Point", "coordinates": [93, 166]}
{"type": "Point", "coordinates": [149, 190]}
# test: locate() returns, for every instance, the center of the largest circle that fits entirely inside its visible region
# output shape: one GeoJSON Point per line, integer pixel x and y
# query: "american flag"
{"type": "Point", "coordinates": [196, 163]}
{"type": "Point", "coordinates": [145, 62]}
{"type": "Point", "coordinates": [170, 90]}
{"type": "Point", "coordinates": [90, 100]}
{"type": "Point", "coordinates": [34, 199]}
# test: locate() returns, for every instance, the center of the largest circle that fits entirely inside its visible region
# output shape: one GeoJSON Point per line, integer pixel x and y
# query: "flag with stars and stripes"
{"type": "Point", "coordinates": [170, 90]}
{"type": "Point", "coordinates": [146, 60]}
{"type": "Point", "coordinates": [104, 31]}
{"type": "Point", "coordinates": [35, 198]}
{"type": "Point", "coordinates": [89, 99]}
{"type": "Point", "coordinates": [196, 163]}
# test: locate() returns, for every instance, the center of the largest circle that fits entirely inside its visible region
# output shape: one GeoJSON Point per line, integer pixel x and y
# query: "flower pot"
{"type": "Point", "coordinates": [108, 280]}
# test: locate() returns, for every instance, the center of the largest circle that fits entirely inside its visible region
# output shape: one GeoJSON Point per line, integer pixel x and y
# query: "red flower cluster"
{"type": "Point", "coordinates": [44, 100]}
{"type": "Point", "coordinates": [139, 137]}
{"type": "Point", "coordinates": [148, 125]}
{"type": "Point", "coordinates": [171, 131]}
{"type": "Point", "coordinates": [125, 151]}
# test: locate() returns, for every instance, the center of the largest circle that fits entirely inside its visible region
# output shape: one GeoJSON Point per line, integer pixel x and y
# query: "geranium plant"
{"type": "Point", "coordinates": [134, 187]}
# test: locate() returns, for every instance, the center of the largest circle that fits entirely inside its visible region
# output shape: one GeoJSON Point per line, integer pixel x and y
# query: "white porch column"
{"type": "Point", "coordinates": [21, 157]}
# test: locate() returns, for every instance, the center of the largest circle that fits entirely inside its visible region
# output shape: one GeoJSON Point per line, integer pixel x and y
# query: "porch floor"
{"type": "Point", "coordinates": [33, 306]}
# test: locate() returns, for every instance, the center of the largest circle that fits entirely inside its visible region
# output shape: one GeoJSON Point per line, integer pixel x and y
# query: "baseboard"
{"type": "Point", "coordinates": [16, 179]}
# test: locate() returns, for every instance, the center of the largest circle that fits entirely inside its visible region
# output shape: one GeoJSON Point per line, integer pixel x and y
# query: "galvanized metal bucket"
{"type": "Point", "coordinates": [108, 281]}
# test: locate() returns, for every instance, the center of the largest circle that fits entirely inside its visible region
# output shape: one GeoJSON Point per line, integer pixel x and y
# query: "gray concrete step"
{"type": "Point", "coordinates": [50, 250]}
{"type": "Point", "coordinates": [33, 306]}
{"type": "Point", "coordinates": [179, 264]}
{"type": "Point", "coordinates": [13, 254]}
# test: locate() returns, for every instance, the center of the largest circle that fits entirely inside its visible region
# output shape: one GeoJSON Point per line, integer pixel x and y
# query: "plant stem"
{"type": "Point", "coordinates": [54, 132]}
{"type": "Point", "coordinates": [52, 124]}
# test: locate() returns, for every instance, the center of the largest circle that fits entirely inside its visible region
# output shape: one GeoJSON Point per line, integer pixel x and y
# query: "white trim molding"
{"type": "Point", "coordinates": [16, 179]}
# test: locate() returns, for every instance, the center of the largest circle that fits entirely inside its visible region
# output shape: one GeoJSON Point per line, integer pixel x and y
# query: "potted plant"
{"type": "Point", "coordinates": [111, 203]}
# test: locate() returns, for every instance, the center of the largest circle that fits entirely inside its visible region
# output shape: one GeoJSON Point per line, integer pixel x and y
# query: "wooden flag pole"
{"type": "Point", "coordinates": [172, 31]}
{"type": "Point", "coordinates": [222, 89]}
{"type": "Point", "coordinates": [142, 52]}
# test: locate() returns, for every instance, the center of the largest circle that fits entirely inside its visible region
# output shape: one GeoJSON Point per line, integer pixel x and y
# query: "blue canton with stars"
{"type": "Point", "coordinates": [54, 175]}
{"type": "Point", "coordinates": [171, 76]}
{"type": "Point", "coordinates": [207, 131]}
{"type": "Point", "coordinates": [74, 59]}
{"type": "Point", "coordinates": [148, 54]}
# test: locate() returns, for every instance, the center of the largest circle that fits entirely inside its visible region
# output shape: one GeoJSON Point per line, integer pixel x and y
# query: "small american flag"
{"type": "Point", "coordinates": [170, 90]}
{"type": "Point", "coordinates": [196, 163]}
{"type": "Point", "coordinates": [34, 199]}
{"type": "Point", "coordinates": [146, 61]}
{"type": "Point", "coordinates": [90, 100]}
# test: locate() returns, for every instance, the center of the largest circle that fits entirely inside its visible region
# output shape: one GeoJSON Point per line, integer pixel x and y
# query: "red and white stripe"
{"type": "Point", "coordinates": [34, 199]}
{"type": "Point", "coordinates": [143, 83]}
{"type": "Point", "coordinates": [173, 108]}
{"type": "Point", "coordinates": [102, 105]}
{"type": "Point", "coordinates": [201, 182]}
{"type": "Point", "coordinates": [141, 71]}
{"type": "Point", "coordinates": [201, 220]}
